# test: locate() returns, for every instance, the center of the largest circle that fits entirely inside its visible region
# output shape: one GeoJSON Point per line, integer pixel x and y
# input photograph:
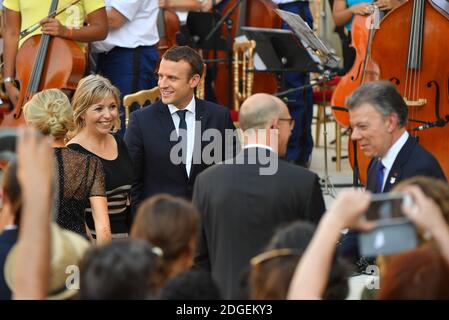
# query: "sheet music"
{"type": "Point", "coordinates": [309, 40]}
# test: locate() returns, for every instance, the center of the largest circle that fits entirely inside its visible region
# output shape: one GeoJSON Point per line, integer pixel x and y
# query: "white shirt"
{"type": "Point", "coordinates": [391, 155]}
{"type": "Point", "coordinates": [139, 30]}
{"type": "Point", "coordinates": [190, 121]}
{"type": "Point", "coordinates": [182, 15]}
{"type": "Point", "coordinates": [258, 145]}
{"type": "Point", "coordinates": [10, 227]}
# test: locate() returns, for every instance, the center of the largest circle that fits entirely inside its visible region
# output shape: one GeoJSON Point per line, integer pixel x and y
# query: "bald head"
{"type": "Point", "coordinates": [283, 109]}
{"type": "Point", "coordinates": [259, 110]}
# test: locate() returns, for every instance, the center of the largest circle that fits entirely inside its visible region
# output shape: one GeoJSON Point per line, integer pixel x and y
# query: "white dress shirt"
{"type": "Point", "coordinates": [257, 145]}
{"type": "Point", "coordinates": [190, 121]}
{"type": "Point", "coordinates": [391, 155]}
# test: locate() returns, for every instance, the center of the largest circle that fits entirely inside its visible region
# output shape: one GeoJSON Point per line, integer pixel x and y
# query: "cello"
{"type": "Point", "coordinates": [254, 13]}
{"type": "Point", "coordinates": [363, 70]}
{"type": "Point", "coordinates": [411, 50]}
{"type": "Point", "coordinates": [45, 62]}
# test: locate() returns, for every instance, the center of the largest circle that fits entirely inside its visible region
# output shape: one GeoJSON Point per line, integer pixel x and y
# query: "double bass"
{"type": "Point", "coordinates": [45, 62]}
{"type": "Point", "coordinates": [254, 13]}
{"type": "Point", "coordinates": [410, 49]}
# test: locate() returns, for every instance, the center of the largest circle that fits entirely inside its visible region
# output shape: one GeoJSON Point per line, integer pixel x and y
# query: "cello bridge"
{"type": "Point", "coordinates": [415, 103]}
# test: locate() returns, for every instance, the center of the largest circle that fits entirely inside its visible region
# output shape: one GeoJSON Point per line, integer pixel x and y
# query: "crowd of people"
{"type": "Point", "coordinates": [181, 204]}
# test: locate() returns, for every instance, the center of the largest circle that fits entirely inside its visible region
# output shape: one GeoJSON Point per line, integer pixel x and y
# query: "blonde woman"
{"type": "Point", "coordinates": [96, 115]}
{"type": "Point", "coordinates": [81, 177]}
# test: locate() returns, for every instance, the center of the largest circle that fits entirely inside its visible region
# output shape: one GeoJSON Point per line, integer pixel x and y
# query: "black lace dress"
{"type": "Point", "coordinates": [118, 180]}
{"type": "Point", "coordinates": [80, 177]}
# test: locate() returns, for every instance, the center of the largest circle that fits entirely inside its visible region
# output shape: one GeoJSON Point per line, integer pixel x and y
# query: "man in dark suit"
{"type": "Point", "coordinates": [244, 200]}
{"type": "Point", "coordinates": [378, 117]}
{"type": "Point", "coordinates": [165, 139]}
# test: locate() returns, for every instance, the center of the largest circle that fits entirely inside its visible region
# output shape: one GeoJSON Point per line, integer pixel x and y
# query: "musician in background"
{"type": "Point", "coordinates": [21, 14]}
{"type": "Point", "coordinates": [182, 7]}
{"type": "Point", "coordinates": [344, 11]}
{"type": "Point", "coordinates": [300, 144]}
{"type": "Point", "coordinates": [128, 56]}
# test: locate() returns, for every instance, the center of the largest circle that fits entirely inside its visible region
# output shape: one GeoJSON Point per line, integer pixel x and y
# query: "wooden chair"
{"type": "Point", "coordinates": [140, 98]}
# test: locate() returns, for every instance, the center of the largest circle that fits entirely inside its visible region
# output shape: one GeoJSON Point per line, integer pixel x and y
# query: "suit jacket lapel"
{"type": "Point", "coordinates": [402, 157]}
{"type": "Point", "coordinates": [372, 178]}
{"type": "Point", "coordinates": [200, 118]}
{"type": "Point", "coordinates": [168, 126]}
{"type": "Point", "coordinates": [166, 121]}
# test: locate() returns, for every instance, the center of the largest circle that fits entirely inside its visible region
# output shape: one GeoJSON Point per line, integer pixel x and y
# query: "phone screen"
{"type": "Point", "coordinates": [7, 143]}
{"type": "Point", "coordinates": [386, 206]}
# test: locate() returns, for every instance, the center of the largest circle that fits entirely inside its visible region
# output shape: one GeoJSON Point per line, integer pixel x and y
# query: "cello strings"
{"type": "Point", "coordinates": [409, 69]}
{"type": "Point", "coordinates": [418, 50]}
{"type": "Point", "coordinates": [414, 48]}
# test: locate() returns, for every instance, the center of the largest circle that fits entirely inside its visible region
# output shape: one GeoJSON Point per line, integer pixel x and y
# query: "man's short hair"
{"type": "Point", "coordinates": [383, 96]}
{"type": "Point", "coordinates": [178, 53]}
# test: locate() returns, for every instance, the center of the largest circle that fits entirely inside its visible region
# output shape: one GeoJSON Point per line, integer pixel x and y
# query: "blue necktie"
{"type": "Point", "coordinates": [182, 134]}
{"type": "Point", "coordinates": [379, 176]}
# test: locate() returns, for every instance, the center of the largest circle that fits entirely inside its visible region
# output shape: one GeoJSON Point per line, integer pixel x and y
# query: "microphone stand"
{"type": "Point", "coordinates": [326, 76]}
{"type": "Point", "coordinates": [440, 122]}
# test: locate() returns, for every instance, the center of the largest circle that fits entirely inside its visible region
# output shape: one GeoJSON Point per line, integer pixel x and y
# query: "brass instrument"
{"type": "Point", "coordinates": [243, 71]}
{"type": "Point", "coordinates": [200, 88]}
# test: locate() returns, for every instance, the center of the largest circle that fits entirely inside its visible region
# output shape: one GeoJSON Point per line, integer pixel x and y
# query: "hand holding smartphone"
{"type": "Point", "coordinates": [394, 232]}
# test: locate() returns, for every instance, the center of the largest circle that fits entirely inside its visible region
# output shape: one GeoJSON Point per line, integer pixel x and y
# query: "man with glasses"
{"type": "Point", "coordinates": [243, 201]}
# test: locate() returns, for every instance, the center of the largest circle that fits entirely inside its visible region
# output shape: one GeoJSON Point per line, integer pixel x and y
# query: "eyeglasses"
{"type": "Point", "coordinates": [291, 121]}
{"type": "Point", "coordinates": [268, 255]}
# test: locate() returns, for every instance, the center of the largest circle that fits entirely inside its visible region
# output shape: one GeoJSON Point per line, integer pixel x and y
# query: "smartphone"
{"type": "Point", "coordinates": [8, 137]}
{"type": "Point", "coordinates": [393, 232]}
{"type": "Point", "coordinates": [387, 206]}
{"type": "Point", "coordinates": [388, 238]}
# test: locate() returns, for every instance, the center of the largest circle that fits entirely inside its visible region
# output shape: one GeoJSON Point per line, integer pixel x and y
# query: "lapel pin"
{"type": "Point", "coordinates": [393, 178]}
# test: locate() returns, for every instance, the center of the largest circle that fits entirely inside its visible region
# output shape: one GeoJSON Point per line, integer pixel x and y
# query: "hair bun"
{"type": "Point", "coordinates": [52, 121]}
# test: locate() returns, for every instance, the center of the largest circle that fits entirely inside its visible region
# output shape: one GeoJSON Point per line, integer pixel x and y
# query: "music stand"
{"type": "Point", "coordinates": [297, 50]}
{"type": "Point", "coordinates": [326, 61]}
{"type": "Point", "coordinates": [316, 48]}
{"type": "Point", "coordinates": [280, 50]}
